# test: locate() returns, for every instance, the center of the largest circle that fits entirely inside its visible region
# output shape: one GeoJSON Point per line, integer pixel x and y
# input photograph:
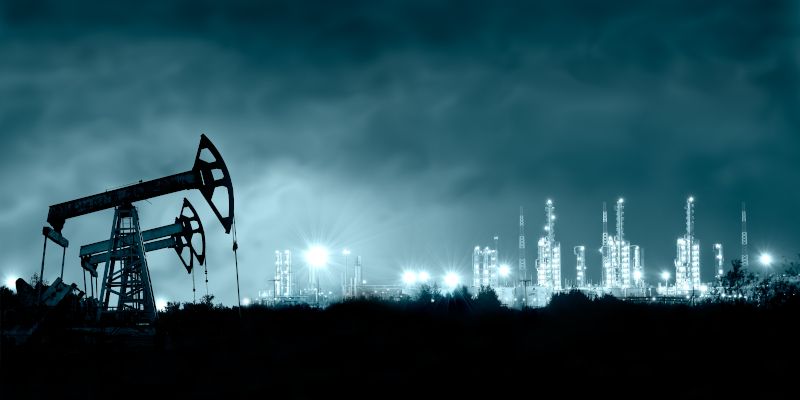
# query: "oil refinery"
{"type": "Point", "coordinates": [621, 268]}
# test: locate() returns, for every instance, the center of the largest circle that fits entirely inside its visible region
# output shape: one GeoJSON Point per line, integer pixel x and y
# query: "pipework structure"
{"type": "Point", "coordinates": [745, 257]}
{"type": "Point", "coordinates": [548, 264]}
{"type": "Point", "coordinates": [719, 260]}
{"type": "Point", "coordinates": [623, 265]}
{"type": "Point", "coordinates": [357, 280]}
{"type": "Point", "coordinates": [605, 252]}
{"type": "Point", "coordinates": [580, 265]}
{"type": "Point", "coordinates": [484, 267]}
{"type": "Point", "coordinates": [637, 266]}
{"type": "Point", "coordinates": [687, 262]}
{"type": "Point", "coordinates": [283, 274]}
{"type": "Point", "coordinates": [523, 269]}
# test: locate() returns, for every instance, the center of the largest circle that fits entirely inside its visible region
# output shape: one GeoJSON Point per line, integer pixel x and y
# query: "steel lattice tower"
{"type": "Point", "coordinates": [130, 283]}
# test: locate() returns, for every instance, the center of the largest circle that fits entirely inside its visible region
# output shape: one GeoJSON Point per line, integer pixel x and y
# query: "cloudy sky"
{"type": "Point", "coordinates": [407, 131]}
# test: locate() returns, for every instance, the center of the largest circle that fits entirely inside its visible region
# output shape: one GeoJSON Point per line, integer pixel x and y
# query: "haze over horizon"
{"type": "Point", "coordinates": [408, 132]}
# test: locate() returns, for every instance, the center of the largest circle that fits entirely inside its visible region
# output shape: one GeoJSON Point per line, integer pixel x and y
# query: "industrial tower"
{"type": "Point", "coordinates": [283, 273]}
{"type": "Point", "coordinates": [548, 264]}
{"type": "Point", "coordinates": [484, 267]}
{"type": "Point", "coordinates": [718, 259]}
{"type": "Point", "coordinates": [621, 269]}
{"type": "Point", "coordinates": [604, 251]}
{"type": "Point", "coordinates": [687, 262]}
{"type": "Point", "coordinates": [580, 265]}
{"type": "Point", "coordinates": [745, 257]}
{"type": "Point", "coordinates": [523, 270]}
{"type": "Point", "coordinates": [620, 251]}
{"type": "Point", "coordinates": [357, 282]}
{"type": "Point", "coordinates": [637, 266]}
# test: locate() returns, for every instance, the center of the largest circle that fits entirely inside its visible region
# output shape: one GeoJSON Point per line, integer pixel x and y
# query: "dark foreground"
{"type": "Point", "coordinates": [373, 350]}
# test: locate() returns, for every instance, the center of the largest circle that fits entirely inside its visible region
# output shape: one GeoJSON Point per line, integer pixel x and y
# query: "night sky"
{"type": "Point", "coordinates": [408, 132]}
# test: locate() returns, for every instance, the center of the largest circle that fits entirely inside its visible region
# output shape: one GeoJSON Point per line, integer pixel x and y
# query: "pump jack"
{"type": "Point", "coordinates": [126, 252]}
{"type": "Point", "coordinates": [128, 244]}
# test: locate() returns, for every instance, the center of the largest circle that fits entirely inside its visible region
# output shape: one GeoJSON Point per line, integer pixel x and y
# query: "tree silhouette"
{"type": "Point", "coordinates": [487, 299]}
{"type": "Point", "coordinates": [36, 280]}
{"type": "Point", "coordinates": [429, 294]}
{"type": "Point", "coordinates": [737, 279]}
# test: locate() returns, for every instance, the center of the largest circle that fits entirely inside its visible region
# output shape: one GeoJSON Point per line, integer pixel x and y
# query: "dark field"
{"type": "Point", "coordinates": [372, 350]}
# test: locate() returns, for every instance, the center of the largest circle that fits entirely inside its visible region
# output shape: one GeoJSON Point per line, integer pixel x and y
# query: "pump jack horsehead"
{"type": "Point", "coordinates": [128, 244]}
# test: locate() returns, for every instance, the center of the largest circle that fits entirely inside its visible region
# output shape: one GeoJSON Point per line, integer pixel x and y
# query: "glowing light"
{"type": "Point", "coordinates": [691, 199]}
{"type": "Point", "coordinates": [317, 256]}
{"type": "Point", "coordinates": [451, 280]}
{"type": "Point", "coordinates": [505, 270]}
{"type": "Point", "coordinates": [346, 252]}
{"type": "Point", "coordinates": [549, 201]}
{"type": "Point", "coordinates": [765, 259]}
{"type": "Point", "coordinates": [621, 200]}
{"type": "Point", "coordinates": [11, 283]}
{"type": "Point", "coordinates": [665, 275]}
{"type": "Point", "coordinates": [637, 275]}
{"type": "Point", "coordinates": [703, 288]}
{"type": "Point", "coordinates": [423, 276]}
{"type": "Point", "coordinates": [246, 301]}
{"type": "Point", "coordinates": [161, 304]}
{"type": "Point", "coordinates": [409, 277]}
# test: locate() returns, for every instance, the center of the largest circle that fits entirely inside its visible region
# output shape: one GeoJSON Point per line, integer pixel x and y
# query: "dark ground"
{"type": "Point", "coordinates": [373, 350]}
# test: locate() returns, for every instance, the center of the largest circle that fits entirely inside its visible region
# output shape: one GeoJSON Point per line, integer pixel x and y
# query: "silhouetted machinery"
{"type": "Point", "coordinates": [126, 275]}
{"type": "Point", "coordinates": [123, 255]}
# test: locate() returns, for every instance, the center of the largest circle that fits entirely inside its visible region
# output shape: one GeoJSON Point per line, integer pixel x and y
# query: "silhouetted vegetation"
{"type": "Point", "coordinates": [448, 341]}
{"type": "Point", "coordinates": [737, 280]}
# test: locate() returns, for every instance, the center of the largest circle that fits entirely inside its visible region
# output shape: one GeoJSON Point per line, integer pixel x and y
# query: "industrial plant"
{"type": "Point", "coordinates": [621, 268]}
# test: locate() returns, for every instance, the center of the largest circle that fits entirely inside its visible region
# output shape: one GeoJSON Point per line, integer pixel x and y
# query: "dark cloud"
{"type": "Point", "coordinates": [408, 131]}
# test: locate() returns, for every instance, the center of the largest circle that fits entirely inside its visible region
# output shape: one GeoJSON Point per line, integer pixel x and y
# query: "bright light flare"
{"type": "Point", "coordinates": [423, 276]}
{"type": "Point", "coordinates": [637, 275]}
{"type": "Point", "coordinates": [346, 252]}
{"type": "Point", "coordinates": [246, 301]}
{"type": "Point", "coordinates": [765, 259]}
{"type": "Point", "coordinates": [317, 256]}
{"type": "Point", "coordinates": [505, 271]}
{"type": "Point", "coordinates": [161, 304]}
{"type": "Point", "coordinates": [451, 280]}
{"type": "Point", "coordinates": [665, 275]}
{"type": "Point", "coordinates": [409, 277]}
{"type": "Point", "coordinates": [11, 283]}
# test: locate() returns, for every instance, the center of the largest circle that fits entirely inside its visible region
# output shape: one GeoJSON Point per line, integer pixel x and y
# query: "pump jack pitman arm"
{"type": "Point", "coordinates": [177, 236]}
{"type": "Point", "coordinates": [200, 177]}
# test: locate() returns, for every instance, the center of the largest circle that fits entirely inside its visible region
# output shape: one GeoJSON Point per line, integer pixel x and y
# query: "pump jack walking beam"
{"type": "Point", "coordinates": [200, 177]}
{"type": "Point", "coordinates": [177, 236]}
